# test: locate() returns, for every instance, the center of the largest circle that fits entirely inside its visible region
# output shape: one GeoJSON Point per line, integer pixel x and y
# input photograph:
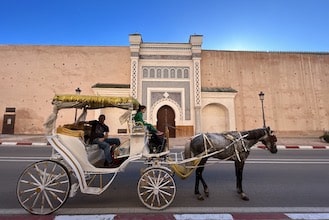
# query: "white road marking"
{"type": "Point", "coordinates": [308, 216]}
{"type": "Point", "coordinates": [84, 217]}
{"type": "Point", "coordinates": [203, 217]}
{"type": "Point", "coordinates": [8, 143]}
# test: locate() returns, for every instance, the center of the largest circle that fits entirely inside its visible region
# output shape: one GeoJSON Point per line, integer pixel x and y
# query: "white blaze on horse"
{"type": "Point", "coordinates": [234, 146]}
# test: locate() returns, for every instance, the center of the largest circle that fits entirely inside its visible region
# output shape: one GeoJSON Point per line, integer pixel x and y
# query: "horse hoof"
{"type": "Point", "coordinates": [206, 194]}
{"type": "Point", "coordinates": [244, 197]}
{"type": "Point", "coordinates": [200, 197]}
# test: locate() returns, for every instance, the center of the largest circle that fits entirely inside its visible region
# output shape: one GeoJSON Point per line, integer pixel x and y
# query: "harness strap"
{"type": "Point", "coordinates": [205, 141]}
{"type": "Point", "coordinates": [237, 153]}
{"type": "Point", "coordinates": [235, 142]}
{"type": "Point", "coordinates": [230, 137]}
{"type": "Point", "coordinates": [242, 142]}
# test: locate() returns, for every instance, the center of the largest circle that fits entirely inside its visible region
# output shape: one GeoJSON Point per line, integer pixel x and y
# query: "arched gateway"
{"type": "Point", "coordinates": [166, 78]}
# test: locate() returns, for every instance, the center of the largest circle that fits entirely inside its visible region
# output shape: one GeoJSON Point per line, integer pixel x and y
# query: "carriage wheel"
{"type": "Point", "coordinates": [156, 189]}
{"type": "Point", "coordinates": [43, 187]}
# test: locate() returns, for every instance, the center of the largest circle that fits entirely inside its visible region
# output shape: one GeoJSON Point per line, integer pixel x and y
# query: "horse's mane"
{"type": "Point", "coordinates": [254, 134]}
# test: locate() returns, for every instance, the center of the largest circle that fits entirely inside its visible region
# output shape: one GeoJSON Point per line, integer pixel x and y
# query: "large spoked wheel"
{"type": "Point", "coordinates": [43, 187]}
{"type": "Point", "coordinates": [156, 188]}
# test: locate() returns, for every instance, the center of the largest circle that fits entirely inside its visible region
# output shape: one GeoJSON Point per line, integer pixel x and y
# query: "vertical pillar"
{"type": "Point", "coordinates": [197, 110]}
{"type": "Point", "coordinates": [197, 95]}
{"type": "Point", "coordinates": [135, 44]}
{"type": "Point", "coordinates": [196, 42]}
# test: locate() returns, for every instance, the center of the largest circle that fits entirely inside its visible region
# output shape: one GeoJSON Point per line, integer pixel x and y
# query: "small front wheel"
{"type": "Point", "coordinates": [43, 187]}
{"type": "Point", "coordinates": [156, 188]}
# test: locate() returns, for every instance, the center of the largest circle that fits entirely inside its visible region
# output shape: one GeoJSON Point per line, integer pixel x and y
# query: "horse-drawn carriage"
{"type": "Point", "coordinates": [44, 186]}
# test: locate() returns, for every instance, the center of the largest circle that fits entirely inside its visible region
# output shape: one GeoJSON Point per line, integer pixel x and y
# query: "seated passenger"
{"type": "Point", "coordinates": [139, 118]}
{"type": "Point", "coordinates": [155, 142]}
{"type": "Point", "coordinates": [99, 135]}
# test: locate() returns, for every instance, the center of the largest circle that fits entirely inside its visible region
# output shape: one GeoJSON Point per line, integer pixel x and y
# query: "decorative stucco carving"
{"type": "Point", "coordinates": [166, 100]}
{"type": "Point", "coordinates": [197, 83]}
{"type": "Point", "coordinates": [134, 79]}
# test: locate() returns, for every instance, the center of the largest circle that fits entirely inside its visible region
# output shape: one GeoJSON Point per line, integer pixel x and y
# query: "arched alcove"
{"type": "Point", "coordinates": [214, 118]}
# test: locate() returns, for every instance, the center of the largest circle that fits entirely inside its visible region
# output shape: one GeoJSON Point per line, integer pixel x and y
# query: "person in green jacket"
{"type": "Point", "coordinates": [139, 118]}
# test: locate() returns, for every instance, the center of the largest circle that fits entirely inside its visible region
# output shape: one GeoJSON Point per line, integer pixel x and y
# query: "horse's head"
{"type": "Point", "coordinates": [269, 140]}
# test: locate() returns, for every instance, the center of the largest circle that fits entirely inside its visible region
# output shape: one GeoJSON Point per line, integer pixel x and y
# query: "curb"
{"type": "Point", "coordinates": [24, 143]}
{"type": "Point", "coordinates": [302, 147]}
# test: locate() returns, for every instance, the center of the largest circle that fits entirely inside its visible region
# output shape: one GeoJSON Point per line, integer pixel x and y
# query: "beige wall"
{"type": "Point", "coordinates": [31, 75]}
{"type": "Point", "coordinates": [295, 84]}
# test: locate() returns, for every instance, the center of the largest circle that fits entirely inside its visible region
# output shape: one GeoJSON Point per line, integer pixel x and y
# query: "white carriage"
{"type": "Point", "coordinates": [44, 186]}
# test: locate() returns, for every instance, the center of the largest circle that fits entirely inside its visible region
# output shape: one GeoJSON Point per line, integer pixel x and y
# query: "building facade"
{"type": "Point", "coordinates": [189, 89]}
{"type": "Point", "coordinates": [167, 77]}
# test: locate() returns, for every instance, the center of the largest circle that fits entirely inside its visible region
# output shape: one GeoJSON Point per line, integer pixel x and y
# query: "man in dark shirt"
{"type": "Point", "coordinates": [99, 135]}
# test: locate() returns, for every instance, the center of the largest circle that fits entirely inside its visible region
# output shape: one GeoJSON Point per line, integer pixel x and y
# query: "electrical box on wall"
{"type": "Point", "coordinates": [9, 117]}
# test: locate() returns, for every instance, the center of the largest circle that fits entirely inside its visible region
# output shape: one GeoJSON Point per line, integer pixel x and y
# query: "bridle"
{"type": "Point", "coordinates": [269, 138]}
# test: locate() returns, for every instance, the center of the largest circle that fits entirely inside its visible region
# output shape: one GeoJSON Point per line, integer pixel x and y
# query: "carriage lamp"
{"type": "Point", "coordinates": [261, 97]}
{"type": "Point", "coordinates": [77, 92]}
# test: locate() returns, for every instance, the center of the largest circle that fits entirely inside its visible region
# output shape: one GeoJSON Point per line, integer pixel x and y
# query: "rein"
{"type": "Point", "coordinates": [238, 141]}
{"type": "Point", "coordinates": [234, 143]}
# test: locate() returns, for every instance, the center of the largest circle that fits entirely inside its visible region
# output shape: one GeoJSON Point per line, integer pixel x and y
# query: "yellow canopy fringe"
{"type": "Point", "coordinates": [69, 132]}
{"type": "Point", "coordinates": [182, 171]}
{"type": "Point", "coordinates": [94, 102]}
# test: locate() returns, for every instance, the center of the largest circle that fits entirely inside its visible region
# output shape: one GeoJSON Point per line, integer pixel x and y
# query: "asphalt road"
{"type": "Point", "coordinates": [292, 180]}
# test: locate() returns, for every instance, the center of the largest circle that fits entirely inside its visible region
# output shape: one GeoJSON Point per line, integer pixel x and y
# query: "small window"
{"type": "Point", "coordinates": [152, 73]}
{"type": "Point", "coordinates": [165, 73]}
{"type": "Point", "coordinates": [145, 73]}
{"type": "Point", "coordinates": [179, 73]}
{"type": "Point", "coordinates": [172, 73]}
{"type": "Point", "coordinates": [158, 73]}
{"type": "Point", "coordinates": [186, 75]}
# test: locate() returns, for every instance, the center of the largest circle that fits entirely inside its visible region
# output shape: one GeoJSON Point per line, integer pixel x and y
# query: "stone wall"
{"type": "Point", "coordinates": [295, 84]}
{"type": "Point", "coordinates": [31, 75]}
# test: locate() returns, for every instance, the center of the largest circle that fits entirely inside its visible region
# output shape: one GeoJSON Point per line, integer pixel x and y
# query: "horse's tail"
{"type": "Point", "coordinates": [185, 170]}
{"type": "Point", "coordinates": [187, 150]}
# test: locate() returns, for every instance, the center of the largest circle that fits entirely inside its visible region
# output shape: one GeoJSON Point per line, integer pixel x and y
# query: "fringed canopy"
{"type": "Point", "coordinates": [94, 102]}
{"type": "Point", "coordinates": [88, 102]}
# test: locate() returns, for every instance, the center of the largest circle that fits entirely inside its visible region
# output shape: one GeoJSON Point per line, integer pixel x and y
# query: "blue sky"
{"type": "Point", "coordinates": [253, 25]}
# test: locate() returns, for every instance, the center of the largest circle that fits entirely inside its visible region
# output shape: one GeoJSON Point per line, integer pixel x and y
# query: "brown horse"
{"type": "Point", "coordinates": [234, 146]}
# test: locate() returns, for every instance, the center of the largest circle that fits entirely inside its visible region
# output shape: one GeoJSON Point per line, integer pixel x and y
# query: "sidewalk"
{"type": "Point", "coordinates": [23, 139]}
{"type": "Point", "coordinates": [283, 142]}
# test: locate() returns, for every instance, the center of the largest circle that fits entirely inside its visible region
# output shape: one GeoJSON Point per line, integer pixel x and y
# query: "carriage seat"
{"type": "Point", "coordinates": [95, 154]}
{"type": "Point", "coordinates": [138, 127]}
{"type": "Point", "coordinates": [92, 150]}
{"type": "Point", "coordinates": [69, 132]}
{"type": "Point", "coordinates": [75, 131]}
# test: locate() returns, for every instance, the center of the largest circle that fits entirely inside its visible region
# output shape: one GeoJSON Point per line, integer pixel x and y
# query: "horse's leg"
{"type": "Point", "coordinates": [198, 178]}
{"type": "Point", "coordinates": [238, 173]}
{"type": "Point", "coordinates": [205, 187]}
